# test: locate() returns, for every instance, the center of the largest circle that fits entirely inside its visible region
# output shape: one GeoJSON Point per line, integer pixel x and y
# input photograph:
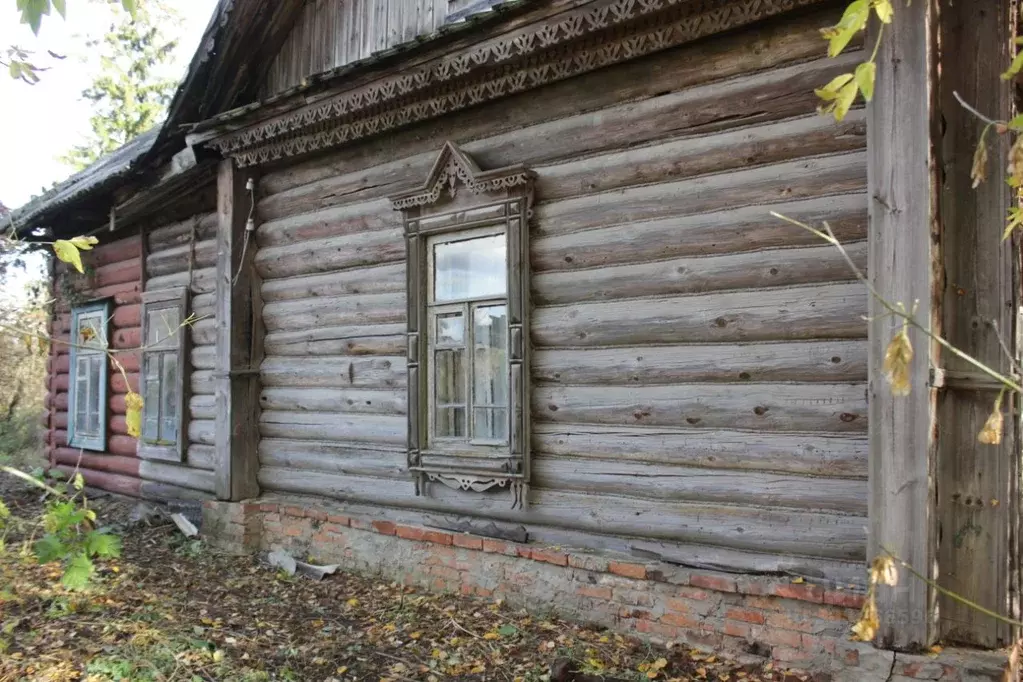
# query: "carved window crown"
{"type": "Point", "coordinates": [467, 250]}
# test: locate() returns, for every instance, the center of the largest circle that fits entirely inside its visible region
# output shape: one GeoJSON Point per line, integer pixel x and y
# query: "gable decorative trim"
{"type": "Point", "coordinates": [501, 197]}
{"type": "Point", "coordinates": [581, 40]}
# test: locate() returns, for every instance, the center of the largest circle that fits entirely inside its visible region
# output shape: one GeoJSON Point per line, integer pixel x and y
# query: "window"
{"type": "Point", "coordinates": [87, 406]}
{"type": "Point", "coordinates": [162, 377]}
{"type": "Point", "coordinates": [468, 291]}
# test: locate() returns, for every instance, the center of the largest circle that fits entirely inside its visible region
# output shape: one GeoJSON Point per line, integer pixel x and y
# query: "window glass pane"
{"type": "Point", "coordinates": [95, 371]}
{"type": "Point", "coordinates": [490, 423]}
{"type": "Point", "coordinates": [91, 331]}
{"type": "Point", "coordinates": [450, 422]}
{"type": "Point", "coordinates": [81, 389]}
{"type": "Point", "coordinates": [471, 268]}
{"type": "Point", "coordinates": [169, 399]}
{"type": "Point", "coordinates": [450, 329]}
{"type": "Point", "coordinates": [490, 356]}
{"type": "Point", "coordinates": [151, 400]}
{"type": "Point", "coordinates": [162, 328]}
{"type": "Point", "coordinates": [449, 376]}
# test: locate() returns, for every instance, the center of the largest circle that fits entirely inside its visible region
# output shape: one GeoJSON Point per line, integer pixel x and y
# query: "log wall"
{"type": "Point", "coordinates": [114, 271]}
{"type": "Point", "coordinates": [699, 366]}
{"type": "Point", "coordinates": [332, 33]}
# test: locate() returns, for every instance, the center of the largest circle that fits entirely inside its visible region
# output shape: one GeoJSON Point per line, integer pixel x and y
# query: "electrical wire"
{"type": "Point", "coordinates": [250, 227]}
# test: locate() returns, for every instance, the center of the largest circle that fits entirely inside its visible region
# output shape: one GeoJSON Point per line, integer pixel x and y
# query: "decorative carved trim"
{"type": "Point", "coordinates": [614, 31]}
{"type": "Point", "coordinates": [504, 198]}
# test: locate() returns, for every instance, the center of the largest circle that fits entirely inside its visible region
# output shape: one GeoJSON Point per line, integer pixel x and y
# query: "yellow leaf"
{"type": "Point", "coordinates": [852, 22]}
{"type": "Point", "coordinates": [897, 359]}
{"type": "Point", "coordinates": [798, 581]}
{"type": "Point", "coordinates": [68, 252]}
{"type": "Point", "coordinates": [884, 10]}
{"type": "Point", "coordinates": [416, 635]}
{"type": "Point", "coordinates": [659, 664]}
{"type": "Point", "coordinates": [866, 74]}
{"type": "Point", "coordinates": [353, 602]}
{"type": "Point", "coordinates": [845, 99]}
{"type": "Point", "coordinates": [85, 243]}
{"type": "Point", "coordinates": [342, 670]}
{"type": "Point", "coordinates": [218, 656]}
{"type": "Point", "coordinates": [991, 433]}
{"type": "Point", "coordinates": [866, 627]}
{"type": "Point", "coordinates": [884, 572]}
{"type": "Point", "coordinates": [652, 674]}
{"type": "Point", "coordinates": [133, 413]}
{"type": "Point", "coordinates": [978, 173]}
{"type": "Point", "coordinates": [830, 91]}
{"type": "Point", "coordinates": [79, 482]}
{"type": "Point", "coordinates": [491, 635]}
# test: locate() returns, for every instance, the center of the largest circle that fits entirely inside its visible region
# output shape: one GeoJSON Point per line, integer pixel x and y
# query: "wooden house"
{"type": "Point", "coordinates": [487, 289]}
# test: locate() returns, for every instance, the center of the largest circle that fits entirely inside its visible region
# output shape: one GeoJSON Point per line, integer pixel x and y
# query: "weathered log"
{"type": "Point", "coordinates": [201, 457]}
{"type": "Point", "coordinates": [203, 382]}
{"type": "Point", "coordinates": [125, 293]}
{"type": "Point", "coordinates": [60, 382]}
{"type": "Point", "coordinates": [750, 270]}
{"type": "Point", "coordinates": [335, 253]}
{"type": "Point", "coordinates": [823, 311]}
{"type": "Point", "coordinates": [176, 234]}
{"type": "Point", "coordinates": [128, 337]}
{"type": "Point", "coordinates": [202, 406]}
{"type": "Point", "coordinates": [127, 466]}
{"type": "Point", "coordinates": [843, 455]}
{"type": "Point", "coordinates": [60, 401]}
{"type": "Point", "coordinates": [750, 528]}
{"type": "Point", "coordinates": [165, 492]}
{"type": "Point", "coordinates": [761, 407]}
{"type": "Point", "coordinates": [204, 357]}
{"type": "Point", "coordinates": [175, 259]}
{"type": "Point", "coordinates": [338, 458]}
{"type": "Point", "coordinates": [104, 480]}
{"type": "Point", "coordinates": [122, 445]}
{"type": "Point", "coordinates": [116, 273]}
{"type": "Point", "coordinates": [127, 316]}
{"type": "Point", "coordinates": [118, 423]}
{"type": "Point", "coordinates": [201, 431]}
{"type": "Point", "coordinates": [794, 40]}
{"type": "Point", "coordinates": [130, 360]}
{"type": "Point", "coordinates": [788, 181]}
{"type": "Point", "coordinates": [175, 474]}
{"type": "Point", "coordinates": [333, 372]}
{"type": "Point", "coordinates": [724, 232]}
{"type": "Point", "coordinates": [335, 311]}
{"type": "Point", "coordinates": [690, 484]}
{"type": "Point", "coordinates": [106, 253]}
{"type": "Point", "coordinates": [58, 438]}
{"type": "Point", "coordinates": [204, 280]}
{"type": "Point", "coordinates": [371, 428]}
{"type": "Point", "coordinates": [334, 400]}
{"type": "Point", "coordinates": [117, 404]}
{"type": "Point", "coordinates": [122, 383]}
{"type": "Point", "coordinates": [827, 361]}
{"type": "Point", "coordinates": [377, 279]}
{"type": "Point", "coordinates": [385, 339]}
{"type": "Point", "coordinates": [204, 332]}
{"type": "Point", "coordinates": [295, 226]}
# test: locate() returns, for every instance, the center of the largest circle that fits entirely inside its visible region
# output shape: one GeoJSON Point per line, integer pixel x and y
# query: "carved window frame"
{"type": "Point", "coordinates": [179, 346]}
{"type": "Point", "coordinates": [459, 197]}
{"type": "Point", "coordinates": [91, 348]}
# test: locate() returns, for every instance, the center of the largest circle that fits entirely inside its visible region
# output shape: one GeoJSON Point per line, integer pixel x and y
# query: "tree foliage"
{"type": "Point", "coordinates": [131, 92]}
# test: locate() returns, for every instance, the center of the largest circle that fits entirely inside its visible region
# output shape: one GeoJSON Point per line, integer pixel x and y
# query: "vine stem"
{"type": "Point", "coordinates": [896, 310]}
{"type": "Point", "coordinates": [965, 105]}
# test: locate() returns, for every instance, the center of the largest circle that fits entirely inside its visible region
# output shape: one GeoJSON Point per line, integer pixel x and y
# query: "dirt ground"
{"type": "Point", "coordinates": [171, 609]}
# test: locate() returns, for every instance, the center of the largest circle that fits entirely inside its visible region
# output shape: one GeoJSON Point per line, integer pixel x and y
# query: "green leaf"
{"type": "Point", "coordinates": [1015, 221]}
{"type": "Point", "coordinates": [79, 482]}
{"type": "Point", "coordinates": [507, 630]}
{"type": "Point", "coordinates": [1014, 68]}
{"type": "Point", "coordinates": [1016, 124]}
{"type": "Point", "coordinates": [846, 97]}
{"type": "Point", "coordinates": [5, 513]}
{"type": "Point", "coordinates": [865, 75]}
{"type": "Point", "coordinates": [49, 548]}
{"type": "Point", "coordinates": [104, 545]}
{"type": "Point", "coordinates": [68, 252]}
{"type": "Point", "coordinates": [130, 6]}
{"type": "Point", "coordinates": [830, 91]}
{"type": "Point", "coordinates": [61, 7]}
{"type": "Point", "coordinates": [884, 10]}
{"type": "Point", "coordinates": [85, 243]}
{"type": "Point", "coordinates": [852, 22]}
{"type": "Point", "coordinates": [78, 572]}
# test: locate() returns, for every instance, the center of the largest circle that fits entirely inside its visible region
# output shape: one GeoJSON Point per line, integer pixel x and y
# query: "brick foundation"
{"type": "Point", "coordinates": [802, 626]}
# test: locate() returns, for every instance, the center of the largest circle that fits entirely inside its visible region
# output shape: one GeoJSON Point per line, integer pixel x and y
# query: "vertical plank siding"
{"type": "Point", "coordinates": [699, 368]}
{"type": "Point", "coordinates": [332, 33]}
{"type": "Point", "coordinates": [114, 271]}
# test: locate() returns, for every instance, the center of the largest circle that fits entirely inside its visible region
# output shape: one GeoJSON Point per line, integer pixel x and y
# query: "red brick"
{"type": "Point", "coordinates": [849, 600]}
{"type": "Point", "coordinates": [786, 621]}
{"type": "Point", "coordinates": [713, 582]}
{"type": "Point", "coordinates": [272, 508]}
{"type": "Point", "coordinates": [746, 616]}
{"type": "Point", "coordinates": [384, 527]}
{"type": "Point", "coordinates": [410, 532]}
{"type": "Point", "coordinates": [735, 629]}
{"type": "Point", "coordinates": [468, 541]}
{"type": "Point", "coordinates": [483, 592]}
{"type": "Point", "coordinates": [626, 612]}
{"type": "Point", "coordinates": [339, 519]}
{"type": "Point", "coordinates": [293, 511]}
{"type": "Point", "coordinates": [764, 603]}
{"type": "Point", "coordinates": [851, 657]}
{"type": "Point", "coordinates": [780, 637]}
{"type": "Point", "coordinates": [627, 570]}
{"type": "Point", "coordinates": [681, 620]}
{"type": "Point", "coordinates": [335, 528]}
{"type": "Point", "coordinates": [445, 572]}
{"type": "Point", "coordinates": [293, 530]}
{"type": "Point", "coordinates": [316, 514]}
{"type": "Point", "coordinates": [811, 593]}
{"type": "Point", "coordinates": [498, 546]}
{"type": "Point", "coordinates": [784, 654]}
{"type": "Point", "coordinates": [835, 613]}
{"type": "Point", "coordinates": [360, 524]}
{"type": "Point", "coordinates": [594, 592]}
{"type": "Point", "coordinates": [467, 589]}
{"type": "Point", "coordinates": [523, 551]}
{"type": "Point", "coordinates": [550, 557]}
{"type": "Point", "coordinates": [437, 537]}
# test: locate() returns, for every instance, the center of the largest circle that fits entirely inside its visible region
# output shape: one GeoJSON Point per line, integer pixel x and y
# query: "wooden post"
{"type": "Point", "coordinates": [976, 484]}
{"type": "Point", "coordinates": [239, 341]}
{"type": "Point", "coordinates": [903, 266]}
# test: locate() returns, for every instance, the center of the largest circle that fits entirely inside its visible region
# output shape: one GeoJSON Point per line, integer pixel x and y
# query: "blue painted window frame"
{"type": "Point", "coordinates": [88, 442]}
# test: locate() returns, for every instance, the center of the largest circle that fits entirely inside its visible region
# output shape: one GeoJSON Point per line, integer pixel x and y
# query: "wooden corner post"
{"type": "Point", "coordinates": [239, 339]}
{"type": "Point", "coordinates": [903, 265]}
{"type": "Point", "coordinates": [976, 484]}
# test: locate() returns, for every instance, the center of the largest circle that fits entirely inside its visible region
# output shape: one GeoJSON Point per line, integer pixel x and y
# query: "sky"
{"type": "Point", "coordinates": [40, 122]}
